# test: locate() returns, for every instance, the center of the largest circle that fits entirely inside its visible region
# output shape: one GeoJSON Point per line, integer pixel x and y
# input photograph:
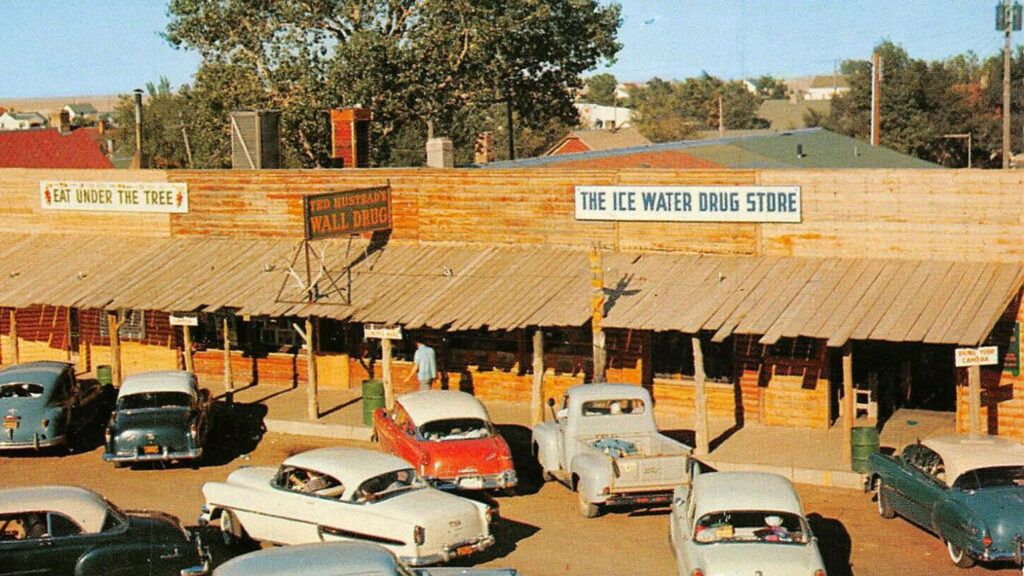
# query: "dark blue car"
{"type": "Point", "coordinates": [43, 404]}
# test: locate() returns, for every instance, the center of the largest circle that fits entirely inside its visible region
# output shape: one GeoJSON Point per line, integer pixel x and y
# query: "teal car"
{"type": "Point", "coordinates": [969, 491]}
{"type": "Point", "coordinates": [43, 404]}
{"type": "Point", "coordinates": [159, 416]}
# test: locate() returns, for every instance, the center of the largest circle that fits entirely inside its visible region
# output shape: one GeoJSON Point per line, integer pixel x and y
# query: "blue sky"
{"type": "Point", "coordinates": [87, 47]}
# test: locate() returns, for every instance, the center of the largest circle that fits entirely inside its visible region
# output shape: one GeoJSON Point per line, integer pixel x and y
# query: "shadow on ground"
{"type": "Point", "coordinates": [833, 542]}
{"type": "Point", "coordinates": [527, 468]}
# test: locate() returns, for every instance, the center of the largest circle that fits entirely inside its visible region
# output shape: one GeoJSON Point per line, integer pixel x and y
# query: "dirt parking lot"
{"type": "Point", "coordinates": [540, 532]}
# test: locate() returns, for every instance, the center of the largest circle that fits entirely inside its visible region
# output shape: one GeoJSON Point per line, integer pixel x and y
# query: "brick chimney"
{"type": "Point", "coordinates": [483, 148]}
{"type": "Point", "coordinates": [350, 137]}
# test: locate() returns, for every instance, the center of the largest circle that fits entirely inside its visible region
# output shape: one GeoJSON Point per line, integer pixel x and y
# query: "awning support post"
{"type": "Point", "coordinates": [597, 314]}
{"type": "Point", "coordinates": [537, 387]}
{"type": "Point", "coordinates": [974, 400]}
{"type": "Point", "coordinates": [849, 405]}
{"type": "Point", "coordinates": [186, 333]}
{"type": "Point", "coordinates": [229, 383]}
{"type": "Point", "coordinates": [703, 444]}
{"type": "Point", "coordinates": [389, 384]}
{"type": "Point", "coordinates": [15, 352]}
{"type": "Point", "coordinates": [312, 391]}
{"type": "Point", "coordinates": [114, 330]}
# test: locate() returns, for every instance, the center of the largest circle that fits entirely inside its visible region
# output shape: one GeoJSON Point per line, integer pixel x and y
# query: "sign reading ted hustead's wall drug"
{"type": "Point", "coordinates": [150, 197]}
{"type": "Point", "coordinates": [349, 212]}
{"type": "Point", "coordinates": [689, 203]}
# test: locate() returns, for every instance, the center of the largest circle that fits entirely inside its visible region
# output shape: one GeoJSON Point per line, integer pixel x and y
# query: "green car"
{"type": "Point", "coordinates": [71, 531]}
{"type": "Point", "coordinates": [43, 405]}
{"type": "Point", "coordinates": [159, 416]}
{"type": "Point", "coordinates": [967, 490]}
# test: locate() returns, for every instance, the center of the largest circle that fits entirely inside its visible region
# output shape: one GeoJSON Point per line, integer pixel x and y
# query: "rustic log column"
{"type": "Point", "coordinates": [700, 427]}
{"type": "Point", "coordinates": [389, 383]}
{"type": "Point", "coordinates": [597, 314]}
{"type": "Point", "coordinates": [114, 330]}
{"type": "Point", "coordinates": [849, 405]}
{"type": "Point", "coordinates": [537, 387]}
{"type": "Point", "coordinates": [67, 331]}
{"type": "Point", "coordinates": [229, 382]}
{"type": "Point", "coordinates": [186, 336]}
{"type": "Point", "coordinates": [15, 349]}
{"type": "Point", "coordinates": [312, 394]}
{"type": "Point", "coordinates": [974, 398]}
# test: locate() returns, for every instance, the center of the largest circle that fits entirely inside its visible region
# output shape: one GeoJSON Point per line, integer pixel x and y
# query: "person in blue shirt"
{"type": "Point", "coordinates": [424, 365]}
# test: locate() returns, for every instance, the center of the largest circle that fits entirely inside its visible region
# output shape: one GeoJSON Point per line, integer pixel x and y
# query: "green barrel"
{"type": "Point", "coordinates": [373, 398]}
{"type": "Point", "coordinates": [103, 375]}
{"type": "Point", "coordinates": [865, 442]}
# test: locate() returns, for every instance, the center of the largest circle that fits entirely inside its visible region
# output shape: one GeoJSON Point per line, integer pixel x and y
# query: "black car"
{"type": "Point", "coordinates": [66, 530]}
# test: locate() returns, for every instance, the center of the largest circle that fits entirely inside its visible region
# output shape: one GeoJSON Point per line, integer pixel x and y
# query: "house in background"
{"type": "Point", "coordinates": [606, 117]}
{"type": "Point", "coordinates": [21, 120]}
{"type": "Point", "coordinates": [81, 112]}
{"type": "Point", "coordinates": [49, 148]}
{"type": "Point", "coordinates": [823, 87]}
{"type": "Point", "coordinates": [597, 140]}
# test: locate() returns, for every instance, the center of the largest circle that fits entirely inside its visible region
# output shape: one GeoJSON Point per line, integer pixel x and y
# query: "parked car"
{"type": "Point", "coordinates": [332, 494]}
{"type": "Point", "coordinates": [337, 559]}
{"type": "Point", "coordinates": [967, 490]}
{"type": "Point", "coordinates": [160, 415]}
{"type": "Point", "coordinates": [605, 445]}
{"type": "Point", "coordinates": [448, 436]}
{"type": "Point", "coordinates": [44, 404]}
{"type": "Point", "coordinates": [71, 531]}
{"type": "Point", "coordinates": [741, 523]}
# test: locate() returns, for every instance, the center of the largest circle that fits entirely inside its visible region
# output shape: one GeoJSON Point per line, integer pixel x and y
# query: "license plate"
{"type": "Point", "coordinates": [472, 483]}
{"type": "Point", "coordinates": [10, 422]}
{"type": "Point", "coordinates": [150, 449]}
{"type": "Point", "coordinates": [464, 550]}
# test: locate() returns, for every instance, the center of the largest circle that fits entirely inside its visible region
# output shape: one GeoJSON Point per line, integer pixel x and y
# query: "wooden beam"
{"type": "Point", "coordinates": [389, 384]}
{"type": "Point", "coordinates": [15, 350]}
{"type": "Point", "coordinates": [597, 314]}
{"type": "Point", "coordinates": [312, 394]}
{"type": "Point", "coordinates": [974, 398]}
{"type": "Point", "coordinates": [537, 386]}
{"type": "Point", "coordinates": [229, 383]}
{"type": "Point", "coordinates": [114, 331]}
{"type": "Point", "coordinates": [849, 405]}
{"type": "Point", "coordinates": [700, 427]}
{"type": "Point", "coordinates": [186, 333]}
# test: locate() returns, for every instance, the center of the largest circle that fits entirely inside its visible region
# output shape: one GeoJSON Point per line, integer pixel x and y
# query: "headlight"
{"type": "Point", "coordinates": [419, 535]}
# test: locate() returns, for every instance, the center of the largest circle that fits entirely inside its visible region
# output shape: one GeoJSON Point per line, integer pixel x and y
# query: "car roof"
{"type": "Point", "coordinates": [962, 453]}
{"type": "Point", "coordinates": [43, 373]}
{"type": "Point", "coordinates": [159, 381]}
{"type": "Point", "coordinates": [350, 466]}
{"type": "Point", "coordinates": [429, 405]}
{"type": "Point", "coordinates": [602, 391]}
{"type": "Point", "coordinates": [320, 559]}
{"type": "Point", "coordinates": [723, 491]}
{"type": "Point", "coordinates": [87, 508]}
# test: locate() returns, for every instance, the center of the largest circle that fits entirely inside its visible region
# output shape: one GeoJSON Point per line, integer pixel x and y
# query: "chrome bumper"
{"type": "Point", "coordinates": [501, 481]}
{"type": "Point", "coordinates": [449, 552]}
{"type": "Point", "coordinates": [36, 443]}
{"type": "Point", "coordinates": [160, 456]}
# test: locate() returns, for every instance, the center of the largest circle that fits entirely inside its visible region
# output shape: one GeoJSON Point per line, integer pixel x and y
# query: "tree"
{"type": "Point", "coordinates": [667, 111]}
{"type": "Point", "coordinates": [414, 63]}
{"type": "Point", "coordinates": [162, 121]}
{"type": "Point", "coordinates": [601, 89]}
{"type": "Point", "coordinates": [771, 88]}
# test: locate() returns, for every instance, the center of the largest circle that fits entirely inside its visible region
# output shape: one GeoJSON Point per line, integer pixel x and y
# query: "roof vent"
{"type": "Point", "coordinates": [800, 151]}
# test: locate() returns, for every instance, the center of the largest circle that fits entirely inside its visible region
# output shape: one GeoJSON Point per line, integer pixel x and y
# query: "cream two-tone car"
{"type": "Point", "coordinates": [727, 523]}
{"type": "Point", "coordinates": [337, 494]}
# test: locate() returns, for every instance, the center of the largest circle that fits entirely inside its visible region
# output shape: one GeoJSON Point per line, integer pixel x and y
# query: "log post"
{"type": "Point", "coordinates": [700, 428]}
{"type": "Point", "coordinates": [597, 314]}
{"type": "Point", "coordinates": [849, 403]}
{"type": "Point", "coordinates": [114, 331]}
{"type": "Point", "coordinates": [229, 382]}
{"type": "Point", "coordinates": [537, 387]}
{"type": "Point", "coordinates": [186, 334]}
{"type": "Point", "coordinates": [974, 398]}
{"type": "Point", "coordinates": [312, 394]}
{"type": "Point", "coordinates": [67, 332]}
{"type": "Point", "coordinates": [389, 384]}
{"type": "Point", "coordinates": [15, 350]}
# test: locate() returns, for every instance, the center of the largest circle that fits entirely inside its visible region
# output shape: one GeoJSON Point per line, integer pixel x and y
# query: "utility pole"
{"type": "Point", "coordinates": [1007, 26]}
{"type": "Point", "coordinates": [876, 97]}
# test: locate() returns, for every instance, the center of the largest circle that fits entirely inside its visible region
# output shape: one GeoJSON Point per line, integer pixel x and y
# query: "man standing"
{"type": "Point", "coordinates": [424, 365]}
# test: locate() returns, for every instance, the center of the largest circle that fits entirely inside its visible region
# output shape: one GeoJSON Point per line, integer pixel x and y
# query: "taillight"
{"type": "Point", "coordinates": [697, 572]}
{"type": "Point", "coordinates": [491, 514]}
{"type": "Point", "coordinates": [819, 572]}
{"type": "Point", "coordinates": [987, 541]}
{"type": "Point", "coordinates": [107, 435]}
{"type": "Point", "coordinates": [419, 535]}
{"type": "Point", "coordinates": [193, 430]}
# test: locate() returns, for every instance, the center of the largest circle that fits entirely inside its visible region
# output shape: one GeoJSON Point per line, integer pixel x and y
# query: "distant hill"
{"type": "Point", "coordinates": [47, 106]}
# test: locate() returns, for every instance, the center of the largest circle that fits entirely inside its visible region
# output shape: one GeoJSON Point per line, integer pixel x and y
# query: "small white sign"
{"type": "Point", "coordinates": [184, 320]}
{"type": "Point", "coordinates": [382, 331]}
{"type": "Point", "coordinates": [688, 203]}
{"type": "Point", "coordinates": [146, 197]}
{"type": "Point", "coordinates": [984, 356]}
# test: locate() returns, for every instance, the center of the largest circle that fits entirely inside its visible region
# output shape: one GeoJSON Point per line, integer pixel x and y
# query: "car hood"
{"type": "Point", "coordinates": [465, 457]}
{"type": "Point", "coordinates": [745, 559]}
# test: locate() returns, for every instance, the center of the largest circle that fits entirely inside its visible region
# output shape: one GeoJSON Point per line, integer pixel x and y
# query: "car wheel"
{"type": "Point", "coordinates": [959, 557]}
{"type": "Point", "coordinates": [120, 464]}
{"type": "Point", "coordinates": [884, 506]}
{"type": "Point", "coordinates": [587, 508]}
{"type": "Point", "coordinates": [231, 531]}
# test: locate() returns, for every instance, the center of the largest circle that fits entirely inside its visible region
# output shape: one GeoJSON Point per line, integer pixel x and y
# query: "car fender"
{"type": "Point", "coordinates": [545, 441]}
{"type": "Point", "coordinates": [127, 558]}
{"type": "Point", "coordinates": [593, 473]}
{"type": "Point", "coordinates": [954, 522]}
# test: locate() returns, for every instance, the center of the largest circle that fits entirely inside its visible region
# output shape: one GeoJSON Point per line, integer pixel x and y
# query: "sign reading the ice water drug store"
{"type": "Point", "coordinates": [689, 203]}
{"type": "Point", "coordinates": [382, 331]}
{"type": "Point", "coordinates": [149, 197]}
{"type": "Point", "coordinates": [345, 213]}
{"type": "Point", "coordinates": [984, 356]}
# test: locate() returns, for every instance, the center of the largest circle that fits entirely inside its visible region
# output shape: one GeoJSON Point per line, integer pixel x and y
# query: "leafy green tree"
{"type": "Point", "coordinates": [601, 89]}
{"type": "Point", "coordinates": [667, 111]}
{"type": "Point", "coordinates": [162, 121]}
{"type": "Point", "coordinates": [770, 88]}
{"type": "Point", "coordinates": [658, 115]}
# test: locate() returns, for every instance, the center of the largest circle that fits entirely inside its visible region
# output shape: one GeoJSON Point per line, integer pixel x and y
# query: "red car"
{"type": "Point", "coordinates": [448, 436]}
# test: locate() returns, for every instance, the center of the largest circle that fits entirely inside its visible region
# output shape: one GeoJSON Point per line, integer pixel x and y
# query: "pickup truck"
{"type": "Point", "coordinates": [605, 446]}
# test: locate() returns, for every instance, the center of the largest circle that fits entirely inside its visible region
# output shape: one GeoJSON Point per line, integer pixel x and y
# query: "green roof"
{"type": "Point", "coordinates": [824, 149]}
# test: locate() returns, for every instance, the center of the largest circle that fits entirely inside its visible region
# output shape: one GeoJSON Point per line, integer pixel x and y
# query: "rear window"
{"type": "Point", "coordinates": [751, 526]}
{"type": "Point", "coordinates": [154, 400]}
{"type": "Point", "coordinates": [21, 390]}
{"type": "Point", "coordinates": [624, 406]}
{"type": "Point", "coordinates": [455, 429]}
{"type": "Point", "coordinates": [993, 477]}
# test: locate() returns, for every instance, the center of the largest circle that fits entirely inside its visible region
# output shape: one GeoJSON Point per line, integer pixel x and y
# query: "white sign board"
{"type": "Point", "coordinates": [382, 331]}
{"type": "Point", "coordinates": [184, 320]}
{"type": "Point", "coordinates": [146, 197]}
{"type": "Point", "coordinates": [984, 356]}
{"type": "Point", "coordinates": [689, 203]}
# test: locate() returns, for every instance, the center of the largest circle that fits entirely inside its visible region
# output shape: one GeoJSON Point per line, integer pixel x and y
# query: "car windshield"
{"type": "Point", "coordinates": [751, 526]}
{"type": "Point", "coordinates": [455, 429]}
{"type": "Point", "coordinates": [992, 477]}
{"type": "Point", "coordinates": [388, 484]}
{"type": "Point", "coordinates": [21, 390]}
{"type": "Point", "coordinates": [154, 400]}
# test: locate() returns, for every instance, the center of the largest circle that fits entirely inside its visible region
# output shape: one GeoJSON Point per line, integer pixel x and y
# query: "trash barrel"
{"type": "Point", "coordinates": [104, 375]}
{"type": "Point", "coordinates": [373, 398]}
{"type": "Point", "coordinates": [865, 442]}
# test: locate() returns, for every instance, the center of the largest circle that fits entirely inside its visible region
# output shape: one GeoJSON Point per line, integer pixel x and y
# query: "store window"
{"type": "Point", "coordinates": [133, 325]}
{"type": "Point", "coordinates": [672, 357]}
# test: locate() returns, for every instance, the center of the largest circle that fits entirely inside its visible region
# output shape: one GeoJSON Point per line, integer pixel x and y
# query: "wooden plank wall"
{"type": "Point", "coordinates": [846, 213]}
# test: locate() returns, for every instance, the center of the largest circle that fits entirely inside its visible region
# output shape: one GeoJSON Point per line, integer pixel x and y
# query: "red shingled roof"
{"type": "Point", "coordinates": [48, 148]}
{"type": "Point", "coordinates": [642, 159]}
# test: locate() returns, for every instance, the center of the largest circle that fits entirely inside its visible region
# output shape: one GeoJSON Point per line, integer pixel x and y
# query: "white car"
{"type": "Point", "coordinates": [742, 523]}
{"type": "Point", "coordinates": [333, 494]}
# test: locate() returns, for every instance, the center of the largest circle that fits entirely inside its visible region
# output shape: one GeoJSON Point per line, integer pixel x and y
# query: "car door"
{"type": "Point", "coordinates": [41, 543]}
{"type": "Point", "coordinates": [294, 512]}
{"type": "Point", "coordinates": [922, 489]}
